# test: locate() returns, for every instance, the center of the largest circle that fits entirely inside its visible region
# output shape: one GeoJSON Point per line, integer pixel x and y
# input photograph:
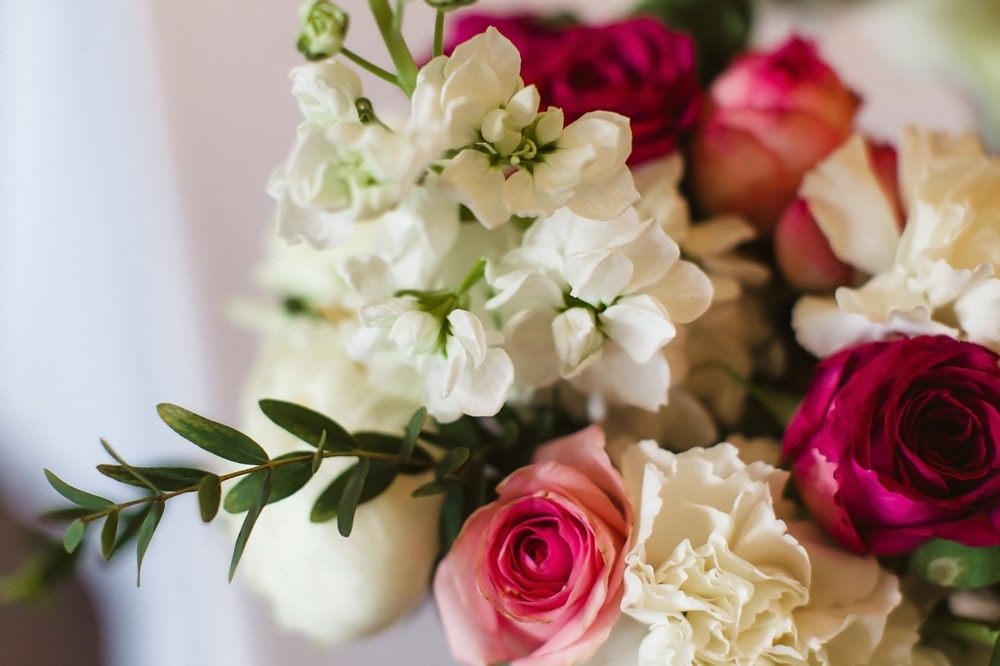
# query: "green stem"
{"type": "Point", "coordinates": [439, 33]}
{"type": "Point", "coordinates": [271, 464]}
{"type": "Point", "coordinates": [389, 27]}
{"type": "Point", "coordinates": [369, 66]}
{"type": "Point", "coordinates": [965, 630]}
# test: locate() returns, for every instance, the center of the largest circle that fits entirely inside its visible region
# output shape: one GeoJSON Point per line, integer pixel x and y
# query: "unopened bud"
{"type": "Point", "coordinates": [324, 27]}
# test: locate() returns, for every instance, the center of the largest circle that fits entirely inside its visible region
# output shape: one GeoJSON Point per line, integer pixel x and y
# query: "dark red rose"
{"type": "Point", "coordinates": [636, 67]}
{"type": "Point", "coordinates": [898, 442]}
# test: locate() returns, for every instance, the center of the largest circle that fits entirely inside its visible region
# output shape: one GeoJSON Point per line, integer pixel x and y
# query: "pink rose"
{"type": "Point", "coordinates": [536, 577]}
{"type": "Point", "coordinates": [768, 119]}
{"type": "Point", "coordinates": [899, 442]}
{"type": "Point", "coordinates": [801, 249]}
{"type": "Point", "coordinates": [636, 67]}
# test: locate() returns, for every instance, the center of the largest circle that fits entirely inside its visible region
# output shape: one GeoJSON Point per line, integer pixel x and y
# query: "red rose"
{"type": "Point", "coordinates": [898, 442]}
{"type": "Point", "coordinates": [768, 119]}
{"type": "Point", "coordinates": [636, 67]}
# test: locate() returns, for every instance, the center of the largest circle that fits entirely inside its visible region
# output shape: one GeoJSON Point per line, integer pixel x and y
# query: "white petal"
{"type": "Point", "coordinates": [474, 183]}
{"type": "Point", "coordinates": [639, 325]}
{"type": "Point", "coordinates": [919, 148]}
{"type": "Point", "coordinates": [577, 340]}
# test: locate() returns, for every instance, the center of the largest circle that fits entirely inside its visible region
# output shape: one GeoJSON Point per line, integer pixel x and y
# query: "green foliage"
{"type": "Point", "coordinates": [164, 478]}
{"type": "Point", "coordinates": [217, 439]}
{"type": "Point", "coordinates": [951, 564]}
{"type": "Point", "coordinates": [285, 480]}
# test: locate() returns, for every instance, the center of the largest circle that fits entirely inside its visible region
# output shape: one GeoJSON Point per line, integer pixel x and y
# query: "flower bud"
{"type": "Point", "coordinates": [324, 27]}
{"type": "Point", "coordinates": [449, 5]}
{"type": "Point", "coordinates": [803, 253]}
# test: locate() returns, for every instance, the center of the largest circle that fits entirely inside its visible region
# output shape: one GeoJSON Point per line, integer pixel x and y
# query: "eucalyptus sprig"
{"type": "Point", "coordinates": [264, 480]}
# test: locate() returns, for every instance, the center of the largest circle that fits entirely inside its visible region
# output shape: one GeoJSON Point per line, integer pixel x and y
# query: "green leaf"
{"type": "Point", "coordinates": [165, 478]}
{"type": "Point", "coordinates": [308, 425]}
{"type": "Point", "coordinates": [209, 497]}
{"type": "Point", "coordinates": [65, 515]}
{"type": "Point", "coordinates": [77, 496]}
{"type": "Point", "coordinates": [380, 476]}
{"type": "Point", "coordinates": [951, 564]}
{"type": "Point", "coordinates": [995, 654]}
{"type": "Point", "coordinates": [139, 476]}
{"type": "Point", "coordinates": [379, 442]}
{"type": "Point", "coordinates": [430, 488]}
{"type": "Point", "coordinates": [74, 535]}
{"type": "Point", "coordinates": [317, 460]}
{"type": "Point", "coordinates": [251, 519]}
{"type": "Point", "coordinates": [352, 496]}
{"type": "Point", "coordinates": [129, 524]}
{"type": "Point", "coordinates": [216, 438]}
{"type": "Point", "coordinates": [109, 533]}
{"type": "Point", "coordinates": [285, 480]}
{"type": "Point", "coordinates": [150, 521]}
{"type": "Point", "coordinates": [412, 433]}
{"type": "Point", "coordinates": [453, 516]}
{"type": "Point", "coordinates": [452, 461]}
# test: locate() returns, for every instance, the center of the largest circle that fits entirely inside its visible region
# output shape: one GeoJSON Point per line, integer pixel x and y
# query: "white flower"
{"type": "Point", "coordinates": [339, 175]}
{"type": "Point", "coordinates": [594, 302]}
{"type": "Point", "coordinates": [327, 92]}
{"type": "Point", "coordinates": [318, 583]}
{"type": "Point", "coordinates": [501, 157]}
{"type": "Point", "coordinates": [940, 277]}
{"type": "Point", "coordinates": [718, 577]}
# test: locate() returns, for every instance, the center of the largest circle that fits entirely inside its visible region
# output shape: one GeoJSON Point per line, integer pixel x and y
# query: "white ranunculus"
{"type": "Point", "coordinates": [318, 583]}
{"type": "Point", "coordinates": [720, 573]}
{"type": "Point", "coordinates": [944, 276]}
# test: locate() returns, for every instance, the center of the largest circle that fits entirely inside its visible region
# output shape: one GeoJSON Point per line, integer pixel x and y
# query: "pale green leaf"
{"type": "Point", "coordinates": [216, 438]}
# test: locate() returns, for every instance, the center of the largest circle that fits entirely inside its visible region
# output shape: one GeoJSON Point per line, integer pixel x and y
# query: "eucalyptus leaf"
{"type": "Point", "coordinates": [352, 496]}
{"type": "Point", "coordinates": [136, 474]}
{"type": "Point", "coordinates": [452, 461]}
{"type": "Point", "coordinates": [128, 529]}
{"type": "Point", "coordinates": [209, 497]}
{"type": "Point", "coordinates": [430, 488]}
{"type": "Point", "coordinates": [452, 517]}
{"type": "Point", "coordinates": [412, 433]}
{"type": "Point", "coordinates": [109, 534]}
{"type": "Point", "coordinates": [391, 445]}
{"type": "Point", "coordinates": [74, 535]}
{"type": "Point", "coordinates": [165, 478]}
{"type": "Point", "coordinates": [65, 515]}
{"type": "Point", "coordinates": [150, 521]}
{"type": "Point", "coordinates": [216, 438]}
{"type": "Point", "coordinates": [951, 564]}
{"type": "Point", "coordinates": [380, 476]}
{"type": "Point", "coordinates": [251, 519]}
{"type": "Point", "coordinates": [77, 496]}
{"type": "Point", "coordinates": [286, 480]}
{"type": "Point", "coordinates": [308, 425]}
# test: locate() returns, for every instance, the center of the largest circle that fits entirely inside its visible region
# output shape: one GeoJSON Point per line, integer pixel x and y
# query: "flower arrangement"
{"type": "Point", "coordinates": [552, 336]}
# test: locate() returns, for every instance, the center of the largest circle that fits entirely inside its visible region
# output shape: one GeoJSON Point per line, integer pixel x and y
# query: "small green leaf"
{"type": "Point", "coordinates": [995, 654]}
{"type": "Point", "coordinates": [286, 480]}
{"type": "Point", "coordinates": [317, 460]}
{"type": "Point", "coordinates": [352, 496]}
{"type": "Point", "coordinates": [150, 521]}
{"type": "Point", "coordinates": [165, 478]}
{"type": "Point", "coordinates": [308, 425]}
{"type": "Point", "coordinates": [412, 433]}
{"type": "Point", "coordinates": [74, 535]}
{"type": "Point", "coordinates": [251, 519]}
{"type": "Point", "coordinates": [65, 515]}
{"type": "Point", "coordinates": [951, 564]}
{"type": "Point", "coordinates": [452, 461]}
{"type": "Point", "coordinates": [453, 516]}
{"type": "Point", "coordinates": [380, 476]}
{"type": "Point", "coordinates": [379, 442]}
{"type": "Point", "coordinates": [216, 438]}
{"type": "Point", "coordinates": [77, 496]}
{"type": "Point", "coordinates": [209, 497]}
{"type": "Point", "coordinates": [109, 533]}
{"type": "Point", "coordinates": [129, 524]}
{"type": "Point", "coordinates": [139, 476]}
{"type": "Point", "coordinates": [430, 488]}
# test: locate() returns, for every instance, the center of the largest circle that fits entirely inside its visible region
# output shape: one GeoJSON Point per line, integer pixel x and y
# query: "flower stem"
{"type": "Point", "coordinates": [439, 33]}
{"type": "Point", "coordinates": [369, 66]}
{"type": "Point", "coordinates": [389, 26]}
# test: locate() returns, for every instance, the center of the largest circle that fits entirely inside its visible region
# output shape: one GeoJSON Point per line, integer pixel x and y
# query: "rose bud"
{"type": "Point", "coordinates": [767, 120]}
{"type": "Point", "coordinates": [636, 67]}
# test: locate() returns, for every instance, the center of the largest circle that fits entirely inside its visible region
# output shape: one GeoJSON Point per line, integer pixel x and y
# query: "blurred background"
{"type": "Point", "coordinates": [136, 139]}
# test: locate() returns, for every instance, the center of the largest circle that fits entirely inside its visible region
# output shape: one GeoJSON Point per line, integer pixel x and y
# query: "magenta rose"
{"type": "Point", "coordinates": [768, 119]}
{"type": "Point", "coordinates": [899, 442]}
{"type": "Point", "coordinates": [636, 67]}
{"type": "Point", "coordinates": [536, 577]}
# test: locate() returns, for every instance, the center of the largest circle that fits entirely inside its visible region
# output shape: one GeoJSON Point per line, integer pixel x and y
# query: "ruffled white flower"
{"type": "Point", "coordinates": [327, 91]}
{"type": "Point", "coordinates": [360, 587]}
{"type": "Point", "coordinates": [939, 276]}
{"type": "Point", "coordinates": [504, 158]}
{"type": "Point", "coordinates": [339, 175]}
{"type": "Point", "coordinates": [594, 302]}
{"type": "Point", "coordinates": [718, 577]}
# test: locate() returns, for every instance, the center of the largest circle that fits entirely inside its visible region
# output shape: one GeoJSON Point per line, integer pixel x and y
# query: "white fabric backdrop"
{"type": "Point", "coordinates": [135, 142]}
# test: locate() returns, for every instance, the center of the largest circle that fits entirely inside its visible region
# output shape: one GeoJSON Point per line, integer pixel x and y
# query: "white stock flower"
{"type": "Point", "coordinates": [339, 175]}
{"type": "Point", "coordinates": [940, 276]}
{"type": "Point", "coordinates": [718, 577]}
{"type": "Point", "coordinates": [594, 302]}
{"type": "Point", "coordinates": [360, 587]}
{"type": "Point", "coordinates": [503, 157]}
{"type": "Point", "coordinates": [327, 91]}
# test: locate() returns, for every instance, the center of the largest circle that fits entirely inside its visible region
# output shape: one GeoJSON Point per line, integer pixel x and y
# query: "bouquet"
{"type": "Point", "coordinates": [621, 341]}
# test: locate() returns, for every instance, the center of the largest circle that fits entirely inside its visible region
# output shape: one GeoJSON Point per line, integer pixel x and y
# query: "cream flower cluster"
{"type": "Point", "coordinates": [508, 253]}
{"type": "Point", "coordinates": [939, 276]}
